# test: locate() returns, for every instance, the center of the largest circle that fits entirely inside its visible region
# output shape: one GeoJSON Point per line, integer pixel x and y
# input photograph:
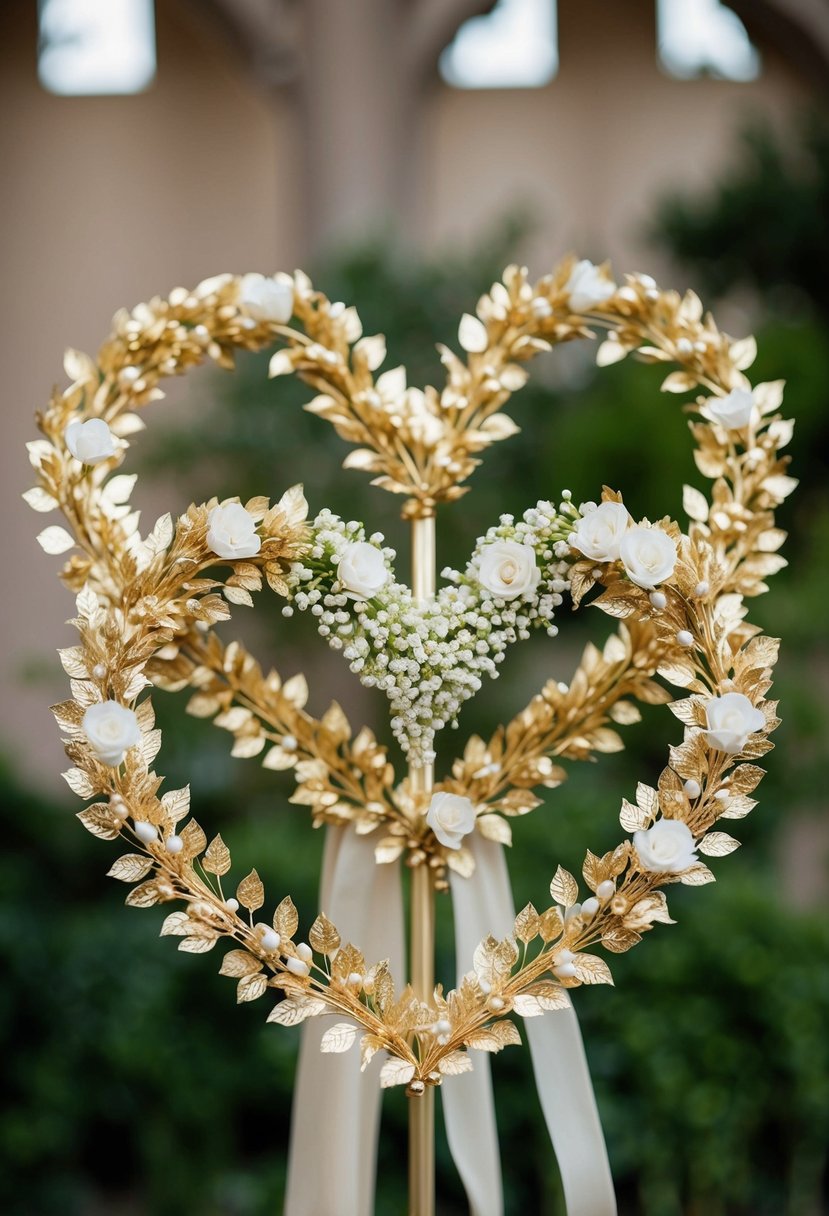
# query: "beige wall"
{"type": "Point", "coordinates": [107, 201]}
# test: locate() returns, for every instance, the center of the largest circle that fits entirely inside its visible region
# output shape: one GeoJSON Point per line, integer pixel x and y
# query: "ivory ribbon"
{"type": "Point", "coordinates": [483, 904]}
{"type": "Point", "coordinates": [336, 1109]}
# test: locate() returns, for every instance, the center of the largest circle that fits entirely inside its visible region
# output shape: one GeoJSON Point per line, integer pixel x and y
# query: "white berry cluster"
{"type": "Point", "coordinates": [430, 658]}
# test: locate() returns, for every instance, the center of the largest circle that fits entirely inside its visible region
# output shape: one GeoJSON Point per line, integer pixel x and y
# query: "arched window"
{"type": "Point", "coordinates": [89, 47]}
{"type": "Point", "coordinates": [513, 47]}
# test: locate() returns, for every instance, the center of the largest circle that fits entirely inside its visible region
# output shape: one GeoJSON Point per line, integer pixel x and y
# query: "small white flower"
{"type": "Point", "coordinates": [588, 286]}
{"type": "Point", "coordinates": [451, 817]}
{"type": "Point", "coordinates": [362, 570]}
{"type": "Point", "coordinates": [508, 569]}
{"type": "Point", "coordinates": [667, 847]}
{"type": "Point", "coordinates": [231, 531]}
{"type": "Point", "coordinates": [266, 299]}
{"type": "Point", "coordinates": [733, 411]}
{"type": "Point", "coordinates": [648, 556]}
{"type": "Point", "coordinates": [91, 441]}
{"type": "Point", "coordinates": [112, 730]}
{"type": "Point", "coordinates": [599, 533]}
{"type": "Point", "coordinates": [731, 719]}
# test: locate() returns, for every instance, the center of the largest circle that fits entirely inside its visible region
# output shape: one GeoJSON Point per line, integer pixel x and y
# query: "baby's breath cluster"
{"type": "Point", "coordinates": [430, 658]}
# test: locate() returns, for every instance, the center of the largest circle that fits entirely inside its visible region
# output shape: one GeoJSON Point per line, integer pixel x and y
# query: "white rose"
{"type": "Point", "coordinates": [362, 570]}
{"type": "Point", "coordinates": [451, 817]}
{"type": "Point", "coordinates": [267, 299]}
{"type": "Point", "coordinates": [599, 534]}
{"type": "Point", "coordinates": [231, 531]}
{"type": "Point", "coordinates": [508, 569]}
{"type": "Point", "coordinates": [588, 286]}
{"type": "Point", "coordinates": [112, 730]}
{"type": "Point", "coordinates": [648, 556]}
{"type": "Point", "coordinates": [731, 719]}
{"type": "Point", "coordinates": [91, 441]}
{"type": "Point", "coordinates": [666, 848]}
{"type": "Point", "coordinates": [733, 412]}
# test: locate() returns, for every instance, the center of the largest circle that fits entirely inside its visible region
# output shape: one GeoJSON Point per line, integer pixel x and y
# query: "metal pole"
{"type": "Point", "coordinates": [422, 952]}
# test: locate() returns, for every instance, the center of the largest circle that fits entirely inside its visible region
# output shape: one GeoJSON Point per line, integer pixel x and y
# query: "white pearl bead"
{"type": "Point", "coordinates": [174, 844]}
{"type": "Point", "coordinates": [99, 671]}
{"type": "Point", "coordinates": [565, 971]}
{"type": "Point", "coordinates": [232, 904]}
{"type": "Point", "coordinates": [658, 599]}
{"type": "Point", "coordinates": [685, 638]}
{"type": "Point", "coordinates": [702, 588]}
{"type": "Point", "coordinates": [692, 788]}
{"type": "Point", "coordinates": [146, 832]}
{"type": "Point", "coordinates": [304, 951]}
{"type": "Point", "coordinates": [590, 907]}
{"type": "Point", "coordinates": [296, 966]}
{"type": "Point", "coordinates": [606, 889]}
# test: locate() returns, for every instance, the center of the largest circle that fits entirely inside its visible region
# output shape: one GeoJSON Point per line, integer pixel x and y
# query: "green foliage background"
{"type": "Point", "coordinates": [132, 1083]}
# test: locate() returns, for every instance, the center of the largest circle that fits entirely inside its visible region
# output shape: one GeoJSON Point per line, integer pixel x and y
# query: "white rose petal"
{"type": "Point", "coordinates": [362, 570]}
{"type": "Point", "coordinates": [91, 441]}
{"type": "Point", "coordinates": [666, 848]}
{"type": "Point", "coordinates": [588, 286]}
{"type": "Point", "coordinates": [648, 556]}
{"type": "Point", "coordinates": [451, 817]}
{"type": "Point", "coordinates": [733, 411]}
{"type": "Point", "coordinates": [267, 299]}
{"type": "Point", "coordinates": [599, 533]}
{"type": "Point", "coordinates": [112, 730]}
{"type": "Point", "coordinates": [731, 719]}
{"type": "Point", "coordinates": [508, 569]}
{"type": "Point", "coordinates": [231, 531]}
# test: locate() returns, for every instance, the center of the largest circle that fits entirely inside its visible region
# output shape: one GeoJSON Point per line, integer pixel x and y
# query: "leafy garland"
{"type": "Point", "coordinates": [146, 605]}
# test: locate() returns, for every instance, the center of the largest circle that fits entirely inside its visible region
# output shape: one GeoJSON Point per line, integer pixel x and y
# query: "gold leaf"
{"type": "Point", "coordinates": [295, 690]}
{"type": "Point", "coordinates": [472, 334]}
{"type": "Point", "coordinates": [295, 1009]}
{"type": "Point", "coordinates": [396, 1072]}
{"type": "Point", "coordinates": [39, 500]}
{"type": "Point", "coordinates": [370, 1044]}
{"type": "Point", "coordinates": [177, 924]}
{"type": "Point", "coordinates": [526, 924]}
{"type": "Point", "coordinates": [454, 1064]}
{"type": "Point", "coordinates": [697, 876]}
{"type": "Point", "coordinates": [130, 868]}
{"type": "Point", "coordinates": [694, 504]}
{"type": "Point", "coordinates": [79, 783]}
{"type": "Point", "coordinates": [194, 839]}
{"type": "Point", "coordinates": [550, 924]}
{"type": "Point", "coordinates": [592, 970]}
{"type": "Point", "coordinates": [251, 892]}
{"type": "Point", "coordinates": [237, 963]}
{"type": "Point", "coordinates": [98, 820]}
{"type": "Point", "coordinates": [286, 919]}
{"type": "Point", "coordinates": [143, 896]}
{"type": "Point", "coordinates": [564, 888]}
{"type": "Point", "coordinates": [494, 1038]}
{"type": "Point", "coordinates": [251, 987]}
{"type": "Point", "coordinates": [197, 945]}
{"type": "Point", "coordinates": [176, 803]}
{"type": "Point", "coordinates": [633, 818]}
{"type": "Point", "coordinates": [217, 858]}
{"type": "Point", "coordinates": [717, 844]}
{"type": "Point", "coordinates": [338, 1038]}
{"type": "Point", "coordinates": [493, 827]}
{"type": "Point", "coordinates": [323, 936]}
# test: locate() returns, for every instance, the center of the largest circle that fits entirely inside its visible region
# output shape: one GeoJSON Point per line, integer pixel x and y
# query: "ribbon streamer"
{"type": "Point", "coordinates": [336, 1109]}
{"type": "Point", "coordinates": [484, 904]}
{"type": "Point", "coordinates": [337, 1106]}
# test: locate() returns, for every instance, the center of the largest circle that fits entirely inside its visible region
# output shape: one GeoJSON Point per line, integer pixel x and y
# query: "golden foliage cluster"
{"type": "Point", "coordinates": [146, 607]}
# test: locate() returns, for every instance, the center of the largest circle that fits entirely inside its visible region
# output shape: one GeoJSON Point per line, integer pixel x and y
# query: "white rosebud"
{"type": "Point", "coordinates": [231, 531]}
{"type": "Point", "coordinates": [91, 441]}
{"type": "Point", "coordinates": [667, 847]}
{"type": "Point", "coordinates": [362, 570]}
{"type": "Point", "coordinates": [451, 817]}
{"type": "Point", "coordinates": [112, 730]}
{"type": "Point", "coordinates": [731, 719]}
{"type": "Point", "coordinates": [508, 569]}
{"type": "Point", "coordinates": [648, 556]}
{"type": "Point", "coordinates": [599, 533]}
{"type": "Point", "coordinates": [266, 299]}
{"type": "Point", "coordinates": [269, 937]}
{"type": "Point", "coordinates": [733, 411]}
{"type": "Point", "coordinates": [588, 286]}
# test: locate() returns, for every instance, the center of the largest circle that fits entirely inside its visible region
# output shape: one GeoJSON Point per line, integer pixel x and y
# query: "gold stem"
{"type": "Point", "coordinates": [422, 949]}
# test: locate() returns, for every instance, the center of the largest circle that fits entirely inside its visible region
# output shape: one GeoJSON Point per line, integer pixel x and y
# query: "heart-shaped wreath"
{"type": "Point", "coordinates": [146, 607]}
